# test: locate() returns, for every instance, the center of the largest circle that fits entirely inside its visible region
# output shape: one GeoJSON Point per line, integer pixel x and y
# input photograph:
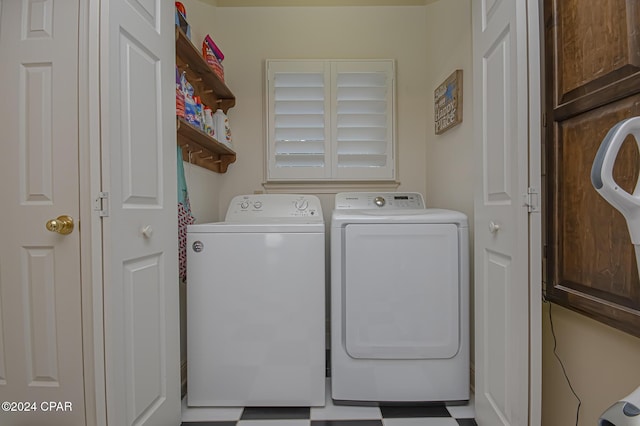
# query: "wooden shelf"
{"type": "Point", "coordinates": [205, 151]}
{"type": "Point", "coordinates": [208, 85]}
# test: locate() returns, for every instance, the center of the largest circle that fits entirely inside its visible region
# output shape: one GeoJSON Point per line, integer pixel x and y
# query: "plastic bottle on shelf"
{"type": "Point", "coordinates": [190, 111]}
{"type": "Point", "coordinates": [208, 121]}
{"type": "Point", "coordinates": [221, 128]}
{"type": "Point", "coordinates": [199, 112]}
{"type": "Point", "coordinates": [179, 95]}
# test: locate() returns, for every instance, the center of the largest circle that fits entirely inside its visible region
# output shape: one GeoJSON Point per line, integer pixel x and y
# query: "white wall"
{"type": "Point", "coordinates": [204, 189]}
{"type": "Point", "coordinates": [438, 166]}
{"type": "Point", "coordinates": [601, 362]}
{"type": "Point", "coordinates": [249, 35]}
{"type": "Point", "coordinates": [449, 156]}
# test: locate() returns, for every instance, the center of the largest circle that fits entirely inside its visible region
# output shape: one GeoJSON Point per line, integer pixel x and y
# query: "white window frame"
{"type": "Point", "coordinates": [339, 161]}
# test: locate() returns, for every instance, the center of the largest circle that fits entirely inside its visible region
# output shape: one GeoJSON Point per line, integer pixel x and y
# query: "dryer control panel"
{"type": "Point", "coordinates": [379, 200]}
{"type": "Point", "coordinates": [247, 208]}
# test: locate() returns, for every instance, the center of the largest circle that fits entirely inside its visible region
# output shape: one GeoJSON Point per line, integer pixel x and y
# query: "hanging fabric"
{"type": "Point", "coordinates": [184, 217]}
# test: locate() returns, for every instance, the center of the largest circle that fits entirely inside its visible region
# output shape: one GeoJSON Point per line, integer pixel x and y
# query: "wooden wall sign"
{"type": "Point", "coordinates": [448, 103]}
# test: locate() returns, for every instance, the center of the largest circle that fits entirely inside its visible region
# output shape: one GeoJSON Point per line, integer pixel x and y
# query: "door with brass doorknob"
{"type": "Point", "coordinates": [41, 352]}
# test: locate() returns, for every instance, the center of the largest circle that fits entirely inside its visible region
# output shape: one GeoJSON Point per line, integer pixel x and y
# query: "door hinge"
{"type": "Point", "coordinates": [532, 200]}
{"type": "Point", "coordinates": [101, 204]}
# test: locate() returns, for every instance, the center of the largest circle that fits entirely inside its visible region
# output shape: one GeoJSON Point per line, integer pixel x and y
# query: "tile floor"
{"type": "Point", "coordinates": [330, 415]}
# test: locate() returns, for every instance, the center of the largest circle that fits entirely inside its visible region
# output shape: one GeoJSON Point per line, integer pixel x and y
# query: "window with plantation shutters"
{"type": "Point", "coordinates": [330, 120]}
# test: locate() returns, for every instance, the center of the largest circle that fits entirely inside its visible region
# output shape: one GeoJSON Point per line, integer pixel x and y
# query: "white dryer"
{"type": "Point", "coordinates": [399, 300]}
{"type": "Point", "coordinates": [256, 304]}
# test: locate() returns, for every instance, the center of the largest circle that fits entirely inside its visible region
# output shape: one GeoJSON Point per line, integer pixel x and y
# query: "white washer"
{"type": "Point", "coordinates": [256, 304]}
{"type": "Point", "coordinates": [399, 300]}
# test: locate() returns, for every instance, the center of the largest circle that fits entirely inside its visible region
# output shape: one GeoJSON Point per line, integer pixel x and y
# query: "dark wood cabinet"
{"type": "Point", "coordinates": [592, 81]}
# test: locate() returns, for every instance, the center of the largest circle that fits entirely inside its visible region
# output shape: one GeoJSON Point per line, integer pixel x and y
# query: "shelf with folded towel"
{"type": "Point", "coordinates": [202, 150]}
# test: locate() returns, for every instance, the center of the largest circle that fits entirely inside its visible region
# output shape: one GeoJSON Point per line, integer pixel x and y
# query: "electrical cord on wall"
{"type": "Point", "coordinates": [564, 371]}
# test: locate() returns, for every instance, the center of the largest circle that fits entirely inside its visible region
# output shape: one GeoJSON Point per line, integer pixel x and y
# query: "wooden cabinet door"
{"type": "Point", "coordinates": [592, 73]}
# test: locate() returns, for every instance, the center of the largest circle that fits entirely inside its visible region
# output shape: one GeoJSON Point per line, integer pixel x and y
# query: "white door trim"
{"type": "Point", "coordinates": [91, 236]}
{"type": "Point", "coordinates": [534, 30]}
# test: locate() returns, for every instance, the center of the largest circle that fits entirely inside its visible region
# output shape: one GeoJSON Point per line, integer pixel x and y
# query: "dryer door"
{"type": "Point", "coordinates": [401, 291]}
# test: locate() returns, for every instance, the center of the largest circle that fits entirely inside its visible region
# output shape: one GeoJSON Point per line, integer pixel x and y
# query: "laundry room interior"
{"type": "Point", "coordinates": [428, 41]}
{"type": "Point", "coordinates": [395, 212]}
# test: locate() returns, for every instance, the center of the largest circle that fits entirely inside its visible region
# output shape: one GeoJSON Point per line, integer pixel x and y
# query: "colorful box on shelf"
{"type": "Point", "coordinates": [208, 41]}
{"type": "Point", "coordinates": [218, 70]}
{"type": "Point", "coordinates": [181, 22]}
{"type": "Point", "coordinates": [213, 56]}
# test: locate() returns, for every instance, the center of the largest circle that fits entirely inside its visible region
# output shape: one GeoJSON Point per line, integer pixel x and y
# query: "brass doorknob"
{"type": "Point", "coordinates": [62, 225]}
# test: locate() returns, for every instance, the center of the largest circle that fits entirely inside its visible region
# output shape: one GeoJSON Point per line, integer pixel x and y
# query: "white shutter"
{"type": "Point", "coordinates": [363, 120]}
{"type": "Point", "coordinates": [330, 120]}
{"type": "Point", "coordinates": [298, 133]}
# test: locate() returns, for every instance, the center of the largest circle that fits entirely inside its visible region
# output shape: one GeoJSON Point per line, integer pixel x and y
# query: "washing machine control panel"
{"type": "Point", "coordinates": [379, 200]}
{"type": "Point", "coordinates": [274, 206]}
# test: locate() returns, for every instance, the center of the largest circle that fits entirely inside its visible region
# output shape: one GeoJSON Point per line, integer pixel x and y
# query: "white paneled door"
{"type": "Point", "coordinates": [41, 357]}
{"type": "Point", "coordinates": [140, 243]}
{"type": "Point", "coordinates": [41, 316]}
{"type": "Point", "coordinates": [507, 350]}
